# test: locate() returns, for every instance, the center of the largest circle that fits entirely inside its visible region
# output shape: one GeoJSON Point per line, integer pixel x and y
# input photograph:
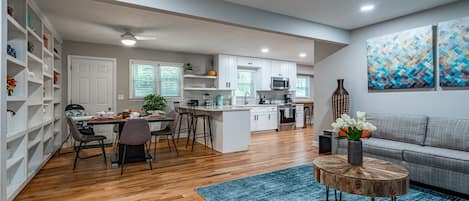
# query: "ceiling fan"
{"type": "Point", "coordinates": [129, 39]}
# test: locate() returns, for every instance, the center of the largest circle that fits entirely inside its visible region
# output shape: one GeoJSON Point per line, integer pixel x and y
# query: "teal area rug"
{"type": "Point", "coordinates": [296, 184]}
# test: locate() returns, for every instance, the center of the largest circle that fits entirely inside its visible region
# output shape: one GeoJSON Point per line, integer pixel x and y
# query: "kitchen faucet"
{"type": "Point", "coordinates": [246, 98]}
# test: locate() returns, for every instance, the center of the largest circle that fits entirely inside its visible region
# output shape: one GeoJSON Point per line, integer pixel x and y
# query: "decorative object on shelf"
{"type": "Point", "coordinates": [30, 46]}
{"type": "Point", "coordinates": [31, 75]}
{"type": "Point", "coordinates": [153, 102]}
{"type": "Point", "coordinates": [340, 100]}
{"type": "Point", "coordinates": [11, 84]}
{"type": "Point", "coordinates": [453, 50]}
{"type": "Point", "coordinates": [188, 68]}
{"type": "Point", "coordinates": [212, 73]}
{"type": "Point", "coordinates": [10, 115]}
{"type": "Point", "coordinates": [46, 41]}
{"type": "Point", "coordinates": [56, 77]}
{"type": "Point", "coordinates": [10, 10]}
{"type": "Point", "coordinates": [354, 130]}
{"type": "Point", "coordinates": [11, 51]}
{"type": "Point", "coordinates": [401, 60]}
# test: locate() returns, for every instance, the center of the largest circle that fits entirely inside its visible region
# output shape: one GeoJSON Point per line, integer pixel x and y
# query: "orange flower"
{"type": "Point", "coordinates": [366, 134]}
{"type": "Point", "coordinates": [342, 132]}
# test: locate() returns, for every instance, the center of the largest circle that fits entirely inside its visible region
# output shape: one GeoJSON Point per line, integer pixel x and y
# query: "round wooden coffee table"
{"type": "Point", "coordinates": [375, 178]}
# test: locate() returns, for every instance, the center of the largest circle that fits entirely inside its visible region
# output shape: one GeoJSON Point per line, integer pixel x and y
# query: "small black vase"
{"type": "Point", "coordinates": [355, 153]}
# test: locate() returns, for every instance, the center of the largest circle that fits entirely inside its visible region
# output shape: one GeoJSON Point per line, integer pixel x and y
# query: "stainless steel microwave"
{"type": "Point", "coordinates": [280, 83]}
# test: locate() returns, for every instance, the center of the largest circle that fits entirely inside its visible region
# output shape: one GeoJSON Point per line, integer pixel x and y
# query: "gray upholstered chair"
{"type": "Point", "coordinates": [83, 139]}
{"type": "Point", "coordinates": [169, 130]}
{"type": "Point", "coordinates": [136, 132]}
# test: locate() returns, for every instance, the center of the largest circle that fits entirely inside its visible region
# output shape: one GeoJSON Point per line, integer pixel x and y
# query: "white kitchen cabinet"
{"type": "Point", "coordinates": [227, 71]}
{"type": "Point", "coordinates": [264, 77]}
{"type": "Point", "coordinates": [300, 115]}
{"type": "Point", "coordinates": [263, 118]}
{"type": "Point", "coordinates": [276, 69]}
{"type": "Point", "coordinates": [249, 62]}
{"type": "Point", "coordinates": [292, 75]}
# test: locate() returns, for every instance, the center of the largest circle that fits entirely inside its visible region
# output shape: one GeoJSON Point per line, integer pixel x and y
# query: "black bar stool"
{"type": "Point", "coordinates": [194, 116]}
{"type": "Point", "coordinates": [180, 117]}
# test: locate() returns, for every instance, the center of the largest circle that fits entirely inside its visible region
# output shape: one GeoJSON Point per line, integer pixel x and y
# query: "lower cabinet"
{"type": "Point", "coordinates": [300, 116]}
{"type": "Point", "coordinates": [264, 118]}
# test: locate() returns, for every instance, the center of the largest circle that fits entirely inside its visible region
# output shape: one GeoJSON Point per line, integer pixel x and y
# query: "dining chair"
{"type": "Point", "coordinates": [169, 130]}
{"type": "Point", "coordinates": [136, 132]}
{"type": "Point", "coordinates": [83, 139]}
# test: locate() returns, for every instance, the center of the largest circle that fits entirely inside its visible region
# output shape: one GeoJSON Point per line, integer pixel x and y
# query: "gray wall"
{"type": "Point", "coordinates": [122, 55]}
{"type": "Point", "coordinates": [350, 63]}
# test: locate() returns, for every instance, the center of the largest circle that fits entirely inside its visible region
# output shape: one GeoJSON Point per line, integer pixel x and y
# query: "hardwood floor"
{"type": "Point", "coordinates": [172, 178]}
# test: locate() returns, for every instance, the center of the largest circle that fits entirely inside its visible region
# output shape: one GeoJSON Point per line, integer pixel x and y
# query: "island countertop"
{"type": "Point", "coordinates": [217, 108]}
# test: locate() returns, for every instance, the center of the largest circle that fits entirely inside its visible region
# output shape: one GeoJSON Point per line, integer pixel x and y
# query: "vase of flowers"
{"type": "Point", "coordinates": [354, 130]}
{"type": "Point", "coordinates": [11, 84]}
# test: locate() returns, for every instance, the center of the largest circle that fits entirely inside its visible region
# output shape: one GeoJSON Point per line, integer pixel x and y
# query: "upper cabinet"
{"type": "Point", "coordinates": [227, 66]}
{"type": "Point", "coordinates": [250, 62]}
{"type": "Point", "coordinates": [227, 71]}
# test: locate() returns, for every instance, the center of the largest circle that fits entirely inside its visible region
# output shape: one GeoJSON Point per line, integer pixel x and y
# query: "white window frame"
{"type": "Point", "coordinates": [157, 64]}
{"type": "Point", "coordinates": [254, 81]}
{"type": "Point", "coordinates": [309, 87]}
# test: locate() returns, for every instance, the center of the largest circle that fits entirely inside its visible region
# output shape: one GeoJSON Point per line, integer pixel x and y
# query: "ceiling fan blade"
{"type": "Point", "coordinates": [145, 37]}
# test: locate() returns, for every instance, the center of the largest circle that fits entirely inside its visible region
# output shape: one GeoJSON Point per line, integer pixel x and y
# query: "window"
{"type": "Point", "coordinates": [302, 86]}
{"type": "Point", "coordinates": [246, 80]}
{"type": "Point", "coordinates": [147, 77]}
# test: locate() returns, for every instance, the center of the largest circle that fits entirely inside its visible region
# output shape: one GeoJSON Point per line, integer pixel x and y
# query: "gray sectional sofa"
{"type": "Point", "coordinates": [435, 150]}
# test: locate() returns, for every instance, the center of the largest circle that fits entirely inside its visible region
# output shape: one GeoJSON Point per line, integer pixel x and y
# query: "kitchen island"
{"type": "Point", "coordinates": [230, 127]}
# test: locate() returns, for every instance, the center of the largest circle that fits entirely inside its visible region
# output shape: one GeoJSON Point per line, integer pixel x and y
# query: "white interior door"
{"type": "Point", "coordinates": [93, 87]}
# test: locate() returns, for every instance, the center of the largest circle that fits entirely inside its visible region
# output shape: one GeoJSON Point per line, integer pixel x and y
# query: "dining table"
{"type": "Point", "coordinates": [134, 153]}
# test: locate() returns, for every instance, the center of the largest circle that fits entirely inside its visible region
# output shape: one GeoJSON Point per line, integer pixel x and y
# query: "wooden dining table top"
{"type": "Point", "coordinates": [98, 121]}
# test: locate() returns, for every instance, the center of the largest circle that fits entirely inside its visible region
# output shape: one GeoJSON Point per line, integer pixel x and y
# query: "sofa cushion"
{"type": "Point", "coordinates": [403, 128]}
{"type": "Point", "coordinates": [385, 148]}
{"type": "Point", "coordinates": [448, 133]}
{"type": "Point", "coordinates": [381, 147]}
{"type": "Point", "coordinates": [447, 159]}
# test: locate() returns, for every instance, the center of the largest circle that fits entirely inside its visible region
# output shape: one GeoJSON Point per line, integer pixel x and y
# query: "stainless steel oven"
{"type": "Point", "coordinates": [280, 83]}
{"type": "Point", "coordinates": [286, 117]}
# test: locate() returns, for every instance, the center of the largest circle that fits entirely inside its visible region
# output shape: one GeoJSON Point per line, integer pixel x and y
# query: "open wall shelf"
{"type": "Point", "coordinates": [16, 117]}
{"type": "Point", "coordinates": [34, 119]}
{"type": "Point", "coordinates": [35, 157]}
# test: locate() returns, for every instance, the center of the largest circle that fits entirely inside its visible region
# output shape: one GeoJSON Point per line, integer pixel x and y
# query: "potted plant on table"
{"type": "Point", "coordinates": [354, 130]}
{"type": "Point", "coordinates": [153, 104]}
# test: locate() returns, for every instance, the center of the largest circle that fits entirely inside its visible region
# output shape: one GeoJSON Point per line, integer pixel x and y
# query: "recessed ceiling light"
{"type": "Point", "coordinates": [265, 50]}
{"type": "Point", "coordinates": [367, 8]}
{"type": "Point", "coordinates": [302, 55]}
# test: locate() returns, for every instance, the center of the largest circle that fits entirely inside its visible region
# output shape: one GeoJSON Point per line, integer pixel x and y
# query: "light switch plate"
{"type": "Point", "coordinates": [120, 97]}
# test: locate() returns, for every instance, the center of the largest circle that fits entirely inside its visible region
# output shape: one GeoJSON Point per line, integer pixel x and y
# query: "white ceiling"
{"type": "Point", "coordinates": [343, 13]}
{"type": "Point", "coordinates": [91, 21]}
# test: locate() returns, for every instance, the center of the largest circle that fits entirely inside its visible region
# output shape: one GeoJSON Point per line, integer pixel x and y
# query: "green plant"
{"type": "Point", "coordinates": [153, 102]}
{"type": "Point", "coordinates": [187, 66]}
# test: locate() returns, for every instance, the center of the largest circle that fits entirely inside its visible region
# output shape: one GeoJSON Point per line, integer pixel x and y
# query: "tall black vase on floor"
{"type": "Point", "coordinates": [340, 100]}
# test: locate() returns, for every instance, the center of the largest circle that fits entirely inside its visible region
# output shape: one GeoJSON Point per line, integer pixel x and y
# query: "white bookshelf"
{"type": "Point", "coordinates": [34, 121]}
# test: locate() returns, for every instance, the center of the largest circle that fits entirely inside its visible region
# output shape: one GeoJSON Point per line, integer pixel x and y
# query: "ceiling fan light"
{"type": "Point", "coordinates": [128, 42]}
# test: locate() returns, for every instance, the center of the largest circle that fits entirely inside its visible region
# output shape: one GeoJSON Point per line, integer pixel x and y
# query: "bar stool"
{"type": "Point", "coordinates": [180, 115]}
{"type": "Point", "coordinates": [194, 116]}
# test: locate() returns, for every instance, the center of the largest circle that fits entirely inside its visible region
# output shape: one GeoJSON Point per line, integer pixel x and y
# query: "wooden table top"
{"type": "Point", "coordinates": [375, 178]}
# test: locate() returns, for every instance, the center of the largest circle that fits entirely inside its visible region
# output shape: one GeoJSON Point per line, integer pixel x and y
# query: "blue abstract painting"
{"type": "Point", "coordinates": [401, 60]}
{"type": "Point", "coordinates": [453, 47]}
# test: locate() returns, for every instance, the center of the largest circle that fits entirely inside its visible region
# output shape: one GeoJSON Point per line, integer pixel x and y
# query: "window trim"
{"type": "Point", "coordinates": [157, 64]}
{"type": "Point", "coordinates": [308, 87]}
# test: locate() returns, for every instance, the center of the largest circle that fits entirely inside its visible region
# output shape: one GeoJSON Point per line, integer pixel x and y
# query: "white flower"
{"type": "Point", "coordinates": [369, 127]}
{"type": "Point", "coordinates": [361, 116]}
